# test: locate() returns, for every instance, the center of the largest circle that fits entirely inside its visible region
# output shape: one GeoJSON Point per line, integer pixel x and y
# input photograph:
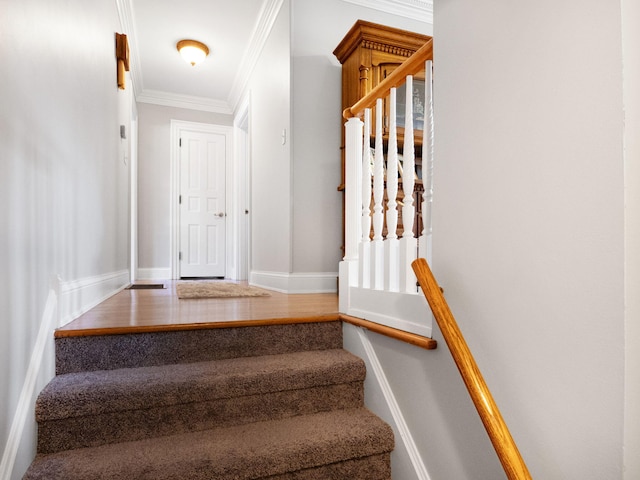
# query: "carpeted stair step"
{"type": "Point", "coordinates": [343, 444]}
{"type": "Point", "coordinates": [105, 352]}
{"type": "Point", "coordinates": [88, 409]}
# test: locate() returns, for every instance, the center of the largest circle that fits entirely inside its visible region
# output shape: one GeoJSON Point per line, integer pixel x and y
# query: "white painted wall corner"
{"type": "Point", "coordinates": [79, 296]}
{"type": "Point", "coordinates": [291, 283]}
{"type": "Point", "coordinates": [153, 274]}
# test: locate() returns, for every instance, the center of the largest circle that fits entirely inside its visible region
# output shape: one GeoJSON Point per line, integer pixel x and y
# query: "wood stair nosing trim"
{"type": "Point", "coordinates": [123, 330]}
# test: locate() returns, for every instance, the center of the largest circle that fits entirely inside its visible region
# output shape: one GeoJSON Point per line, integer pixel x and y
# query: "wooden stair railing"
{"type": "Point", "coordinates": [411, 66]}
{"type": "Point", "coordinates": [503, 443]}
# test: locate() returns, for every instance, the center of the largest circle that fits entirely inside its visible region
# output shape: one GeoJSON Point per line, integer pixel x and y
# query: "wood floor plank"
{"type": "Point", "coordinates": [160, 310]}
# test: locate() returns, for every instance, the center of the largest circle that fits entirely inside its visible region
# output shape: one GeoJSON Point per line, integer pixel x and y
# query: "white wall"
{"type": "Point", "coordinates": [64, 189]}
{"type": "Point", "coordinates": [270, 211]}
{"type": "Point", "coordinates": [529, 218]}
{"type": "Point", "coordinates": [317, 203]}
{"type": "Point", "coordinates": [154, 168]}
{"type": "Point", "coordinates": [631, 74]}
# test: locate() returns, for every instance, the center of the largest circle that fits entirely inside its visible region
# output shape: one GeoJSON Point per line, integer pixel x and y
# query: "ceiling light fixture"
{"type": "Point", "coordinates": [192, 51]}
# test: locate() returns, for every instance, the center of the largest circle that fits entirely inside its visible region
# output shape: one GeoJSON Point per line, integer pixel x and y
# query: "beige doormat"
{"type": "Point", "coordinates": [217, 289]}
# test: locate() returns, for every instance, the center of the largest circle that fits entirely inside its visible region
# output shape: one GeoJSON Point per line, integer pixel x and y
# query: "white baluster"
{"type": "Point", "coordinates": [408, 164]}
{"type": "Point", "coordinates": [378, 176]}
{"type": "Point", "coordinates": [365, 242]}
{"type": "Point", "coordinates": [366, 177]}
{"type": "Point", "coordinates": [427, 165]}
{"type": "Point", "coordinates": [408, 243]}
{"type": "Point", "coordinates": [377, 253]}
{"type": "Point", "coordinates": [392, 169]}
{"type": "Point", "coordinates": [391, 258]}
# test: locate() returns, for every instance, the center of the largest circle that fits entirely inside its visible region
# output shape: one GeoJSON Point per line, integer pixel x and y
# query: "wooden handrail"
{"type": "Point", "coordinates": [411, 66]}
{"type": "Point", "coordinates": [407, 337]}
{"type": "Point", "coordinates": [503, 443]}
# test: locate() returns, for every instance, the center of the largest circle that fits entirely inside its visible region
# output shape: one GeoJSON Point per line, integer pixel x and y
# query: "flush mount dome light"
{"type": "Point", "coordinates": [192, 51]}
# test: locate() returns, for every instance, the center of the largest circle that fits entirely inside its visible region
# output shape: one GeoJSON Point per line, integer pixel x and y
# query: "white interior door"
{"type": "Point", "coordinates": [202, 204]}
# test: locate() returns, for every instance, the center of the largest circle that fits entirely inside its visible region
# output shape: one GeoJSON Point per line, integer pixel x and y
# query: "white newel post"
{"type": "Point", "coordinates": [377, 246]}
{"type": "Point", "coordinates": [408, 242]}
{"type": "Point", "coordinates": [424, 247]}
{"type": "Point", "coordinates": [391, 246]}
{"type": "Point", "coordinates": [353, 210]}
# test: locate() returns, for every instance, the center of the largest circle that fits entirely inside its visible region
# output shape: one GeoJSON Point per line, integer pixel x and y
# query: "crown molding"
{"type": "Point", "coordinates": [266, 19]}
{"type": "Point", "coordinates": [421, 10]}
{"type": "Point", "coordinates": [167, 99]}
{"type": "Point", "coordinates": [125, 14]}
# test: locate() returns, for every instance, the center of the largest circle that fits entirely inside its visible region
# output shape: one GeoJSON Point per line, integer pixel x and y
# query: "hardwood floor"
{"type": "Point", "coordinates": [160, 310]}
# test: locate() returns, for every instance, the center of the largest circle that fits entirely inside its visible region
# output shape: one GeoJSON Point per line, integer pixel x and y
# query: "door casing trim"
{"type": "Point", "coordinates": [177, 127]}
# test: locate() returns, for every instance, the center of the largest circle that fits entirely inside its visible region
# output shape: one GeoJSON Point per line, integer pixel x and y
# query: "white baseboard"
{"type": "Point", "coordinates": [317, 282]}
{"type": "Point", "coordinates": [66, 301]}
{"type": "Point", "coordinates": [26, 401]}
{"type": "Point", "coordinates": [153, 274]}
{"type": "Point", "coordinates": [388, 407]}
{"type": "Point", "coordinates": [79, 296]}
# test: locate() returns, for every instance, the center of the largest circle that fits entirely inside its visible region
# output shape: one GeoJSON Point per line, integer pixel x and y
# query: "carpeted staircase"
{"type": "Point", "coordinates": [280, 402]}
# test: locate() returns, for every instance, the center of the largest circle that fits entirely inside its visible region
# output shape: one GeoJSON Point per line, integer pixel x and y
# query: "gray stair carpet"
{"type": "Point", "coordinates": [294, 411]}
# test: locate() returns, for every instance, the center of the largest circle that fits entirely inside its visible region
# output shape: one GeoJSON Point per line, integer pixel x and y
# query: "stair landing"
{"type": "Point", "coordinates": [157, 310]}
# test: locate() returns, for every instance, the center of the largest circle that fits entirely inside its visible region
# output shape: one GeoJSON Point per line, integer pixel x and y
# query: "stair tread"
{"type": "Point", "coordinates": [102, 391]}
{"type": "Point", "coordinates": [241, 452]}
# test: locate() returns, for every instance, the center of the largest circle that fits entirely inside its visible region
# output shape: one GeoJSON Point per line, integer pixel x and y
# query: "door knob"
{"type": "Point", "coordinates": [221, 214]}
